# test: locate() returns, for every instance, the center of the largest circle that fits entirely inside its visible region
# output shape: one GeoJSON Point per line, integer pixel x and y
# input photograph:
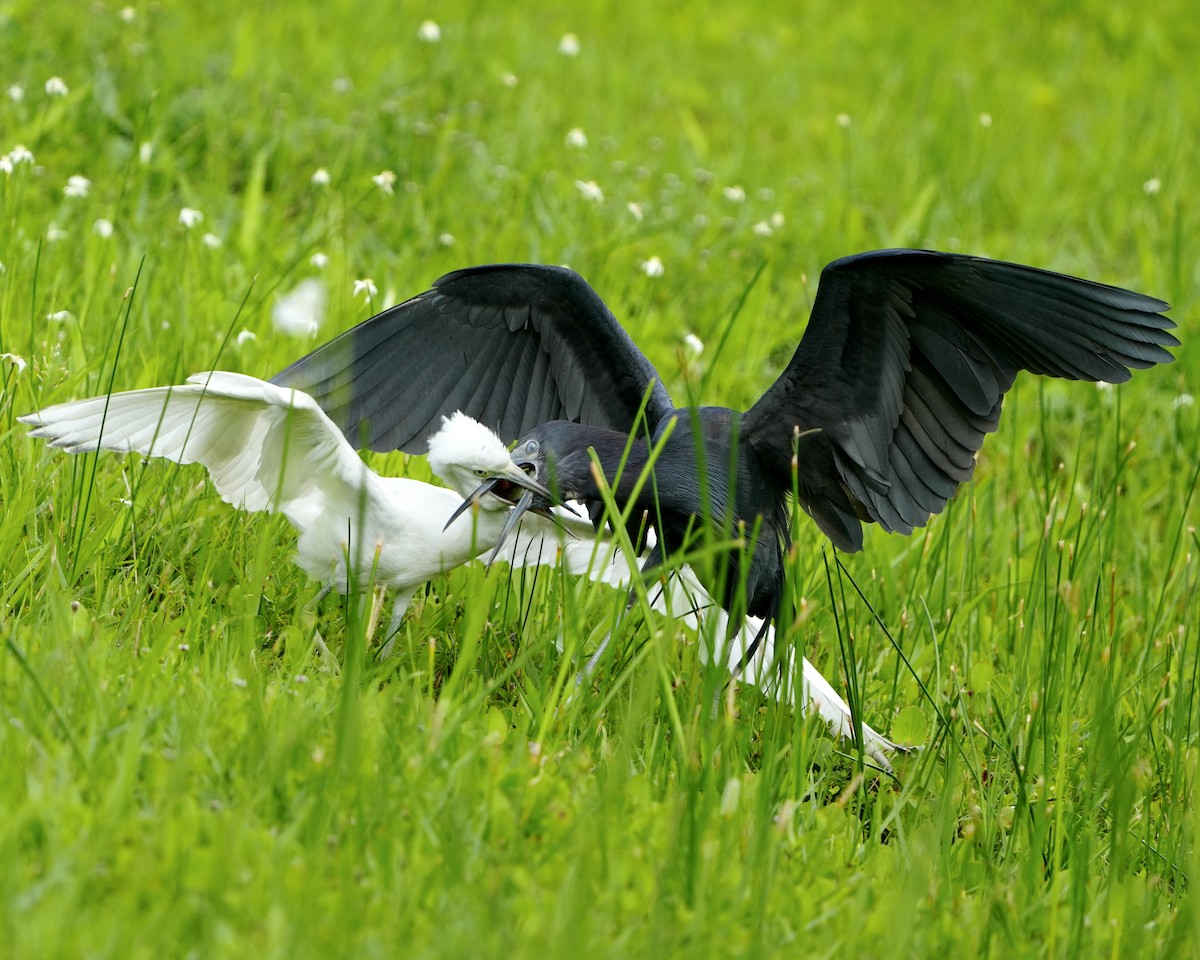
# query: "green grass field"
{"type": "Point", "coordinates": [182, 773]}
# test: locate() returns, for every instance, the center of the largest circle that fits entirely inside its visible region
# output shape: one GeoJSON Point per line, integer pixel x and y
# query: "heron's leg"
{"type": "Point", "coordinates": [653, 560]}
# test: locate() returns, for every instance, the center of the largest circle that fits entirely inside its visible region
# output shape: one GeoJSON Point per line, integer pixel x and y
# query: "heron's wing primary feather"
{"type": "Point", "coordinates": [512, 345]}
{"type": "Point", "coordinates": [903, 369]}
{"type": "Point", "coordinates": [265, 447]}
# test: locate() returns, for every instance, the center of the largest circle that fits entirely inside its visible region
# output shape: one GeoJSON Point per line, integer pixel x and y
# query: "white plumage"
{"type": "Point", "coordinates": [272, 448]}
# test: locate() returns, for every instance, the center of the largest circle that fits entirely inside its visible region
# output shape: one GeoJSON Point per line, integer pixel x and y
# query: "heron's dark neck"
{"type": "Point", "coordinates": [622, 462]}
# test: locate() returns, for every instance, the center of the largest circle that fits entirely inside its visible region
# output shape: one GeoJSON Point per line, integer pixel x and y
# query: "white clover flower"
{"type": "Point", "coordinates": [342, 85]}
{"type": "Point", "coordinates": [734, 194]}
{"type": "Point", "coordinates": [237, 682]}
{"type": "Point", "coordinates": [843, 119]}
{"type": "Point", "coordinates": [694, 345]}
{"type": "Point", "coordinates": [320, 177]}
{"type": "Point", "coordinates": [59, 316]}
{"type": "Point", "coordinates": [568, 46]}
{"type": "Point", "coordinates": [246, 336]}
{"type": "Point", "coordinates": [301, 312]}
{"type": "Point", "coordinates": [20, 154]}
{"type": "Point", "coordinates": [55, 233]}
{"type": "Point", "coordinates": [128, 14]}
{"type": "Point", "coordinates": [652, 267]}
{"type": "Point", "coordinates": [56, 87]}
{"type": "Point", "coordinates": [509, 79]}
{"type": "Point", "coordinates": [576, 138]}
{"type": "Point", "coordinates": [103, 228]}
{"type": "Point", "coordinates": [763, 229]}
{"type": "Point", "coordinates": [446, 239]}
{"type": "Point", "coordinates": [367, 286]}
{"type": "Point", "coordinates": [429, 32]}
{"type": "Point", "coordinates": [77, 186]}
{"type": "Point", "coordinates": [19, 362]}
{"type": "Point", "coordinates": [384, 180]}
{"type": "Point", "coordinates": [319, 260]}
{"type": "Point", "coordinates": [635, 210]}
{"type": "Point", "coordinates": [16, 93]}
{"type": "Point", "coordinates": [6, 165]}
{"type": "Point", "coordinates": [1183, 400]}
{"type": "Point", "coordinates": [777, 220]}
{"type": "Point", "coordinates": [1103, 386]}
{"type": "Point", "coordinates": [700, 221]}
{"type": "Point", "coordinates": [212, 241]}
{"type": "Point", "coordinates": [1152, 186]}
{"type": "Point", "coordinates": [590, 190]}
{"type": "Point", "coordinates": [189, 217]}
{"type": "Point", "coordinates": [985, 120]}
{"type": "Point", "coordinates": [145, 152]}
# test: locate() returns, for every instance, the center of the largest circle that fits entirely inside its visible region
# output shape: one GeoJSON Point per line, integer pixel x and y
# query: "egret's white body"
{"type": "Point", "coordinates": [271, 448]}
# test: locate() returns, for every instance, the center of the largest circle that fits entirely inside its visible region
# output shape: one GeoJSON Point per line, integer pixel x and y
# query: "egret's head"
{"type": "Point", "coordinates": [466, 455]}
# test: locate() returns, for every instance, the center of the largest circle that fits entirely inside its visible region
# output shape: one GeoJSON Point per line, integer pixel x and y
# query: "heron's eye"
{"type": "Point", "coordinates": [532, 446]}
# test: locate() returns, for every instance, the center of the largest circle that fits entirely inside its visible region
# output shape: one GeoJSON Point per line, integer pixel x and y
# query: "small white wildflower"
{"type": "Point", "coordinates": [568, 46]}
{"type": "Point", "coordinates": [20, 154]}
{"type": "Point", "coordinates": [635, 210]}
{"type": "Point", "coordinates": [237, 682]}
{"type": "Point", "coordinates": [301, 312]}
{"type": "Point", "coordinates": [165, 325]}
{"type": "Point", "coordinates": [446, 239]}
{"type": "Point", "coordinates": [319, 260]}
{"type": "Point", "coordinates": [734, 194]}
{"type": "Point", "coordinates": [211, 240]}
{"type": "Point", "coordinates": [189, 217]}
{"type": "Point", "coordinates": [77, 186]}
{"type": "Point", "coordinates": [16, 93]}
{"type": "Point", "coordinates": [103, 228]}
{"type": "Point", "coordinates": [843, 119]}
{"type": "Point", "coordinates": [145, 152]}
{"type": "Point", "coordinates": [763, 229]}
{"type": "Point", "coordinates": [429, 32]}
{"type": "Point", "coordinates": [1152, 186]}
{"type": "Point", "coordinates": [509, 79]}
{"type": "Point", "coordinates": [128, 14]}
{"type": "Point", "coordinates": [55, 233]}
{"type": "Point", "coordinates": [384, 180]}
{"type": "Point", "coordinates": [56, 87]}
{"type": "Point", "coordinates": [1183, 400]}
{"type": "Point", "coordinates": [766, 193]}
{"type": "Point", "coordinates": [6, 164]}
{"type": "Point", "coordinates": [985, 120]}
{"type": "Point", "coordinates": [301, 678]}
{"type": "Point", "coordinates": [777, 220]}
{"type": "Point", "coordinates": [652, 267]}
{"type": "Point", "coordinates": [367, 286]}
{"type": "Point", "coordinates": [59, 316]}
{"type": "Point", "coordinates": [576, 138]}
{"type": "Point", "coordinates": [700, 221]}
{"type": "Point", "coordinates": [320, 177]}
{"type": "Point", "coordinates": [19, 362]}
{"type": "Point", "coordinates": [694, 344]}
{"type": "Point", "coordinates": [590, 190]}
{"type": "Point", "coordinates": [1103, 386]}
{"type": "Point", "coordinates": [246, 336]}
{"type": "Point", "coordinates": [342, 85]}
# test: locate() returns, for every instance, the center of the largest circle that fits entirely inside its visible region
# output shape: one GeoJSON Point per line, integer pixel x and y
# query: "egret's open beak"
{"type": "Point", "coordinates": [505, 486]}
{"type": "Point", "coordinates": [514, 519]}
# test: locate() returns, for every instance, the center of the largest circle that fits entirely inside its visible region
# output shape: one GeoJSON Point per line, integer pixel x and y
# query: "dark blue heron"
{"type": "Point", "coordinates": [877, 417]}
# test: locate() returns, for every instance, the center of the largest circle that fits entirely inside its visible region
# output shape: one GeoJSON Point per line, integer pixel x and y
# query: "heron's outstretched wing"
{"type": "Point", "coordinates": [904, 365]}
{"type": "Point", "coordinates": [265, 447]}
{"type": "Point", "coordinates": [512, 345]}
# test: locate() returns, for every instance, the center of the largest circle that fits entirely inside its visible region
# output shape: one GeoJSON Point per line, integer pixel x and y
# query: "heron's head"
{"type": "Point", "coordinates": [474, 462]}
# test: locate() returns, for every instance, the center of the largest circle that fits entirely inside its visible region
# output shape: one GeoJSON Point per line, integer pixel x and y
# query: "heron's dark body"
{"type": "Point", "coordinates": [878, 416]}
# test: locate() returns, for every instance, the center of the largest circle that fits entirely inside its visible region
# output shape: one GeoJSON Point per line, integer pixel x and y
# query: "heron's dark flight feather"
{"type": "Point", "coordinates": [512, 345]}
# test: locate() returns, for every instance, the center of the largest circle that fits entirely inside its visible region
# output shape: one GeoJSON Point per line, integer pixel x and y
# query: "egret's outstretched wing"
{"type": "Point", "coordinates": [903, 368]}
{"type": "Point", "coordinates": [512, 345]}
{"type": "Point", "coordinates": [265, 447]}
